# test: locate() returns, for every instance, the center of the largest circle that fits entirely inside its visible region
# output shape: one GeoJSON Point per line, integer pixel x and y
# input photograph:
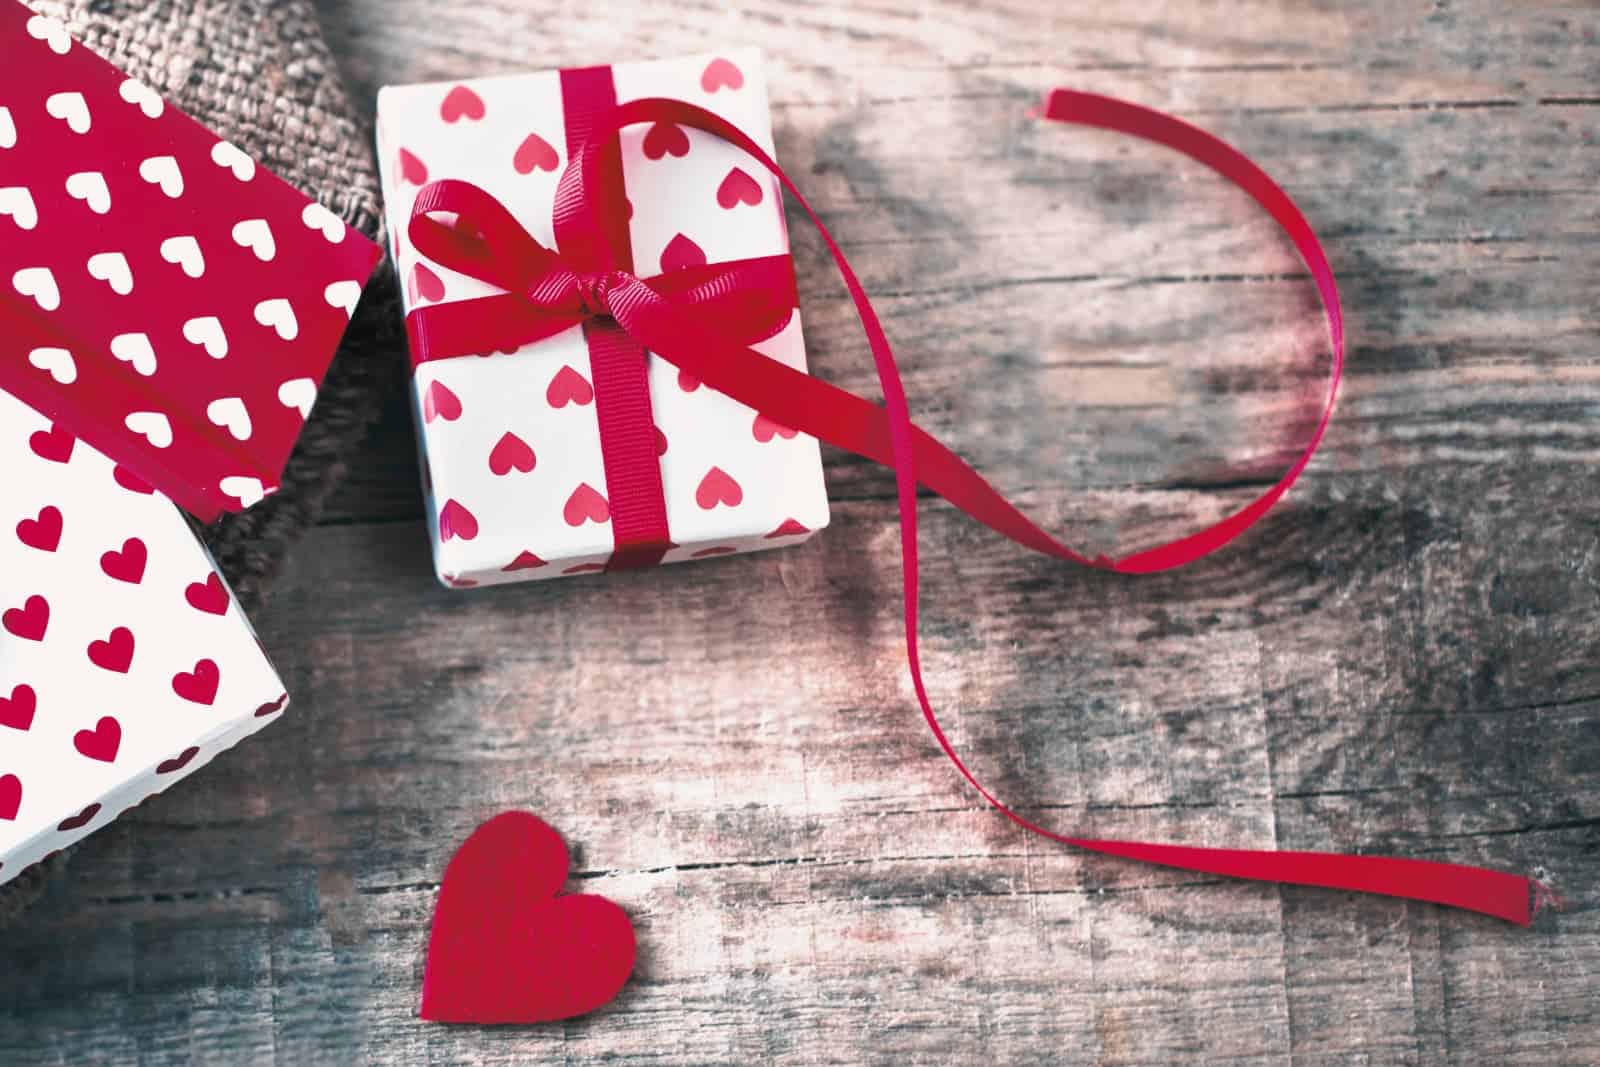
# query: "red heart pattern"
{"type": "Point", "coordinates": [80, 820]}
{"type": "Point", "coordinates": [585, 505]}
{"type": "Point", "coordinates": [456, 521]}
{"type": "Point", "coordinates": [101, 743]}
{"type": "Point", "coordinates": [738, 188]}
{"type": "Point", "coordinates": [53, 444]}
{"type": "Point", "coordinates": [178, 762]}
{"type": "Point", "coordinates": [127, 563]}
{"type": "Point", "coordinates": [10, 796]}
{"type": "Point", "coordinates": [114, 652]}
{"type": "Point", "coordinates": [718, 487]}
{"type": "Point", "coordinates": [198, 686]}
{"type": "Point", "coordinates": [425, 284]}
{"type": "Point", "coordinates": [764, 429]}
{"type": "Point", "coordinates": [568, 386]}
{"type": "Point", "coordinates": [721, 74]}
{"type": "Point", "coordinates": [130, 481]}
{"type": "Point", "coordinates": [17, 710]}
{"type": "Point", "coordinates": [525, 561]}
{"type": "Point", "coordinates": [209, 596]}
{"type": "Point", "coordinates": [665, 139]}
{"type": "Point", "coordinates": [681, 252]}
{"type": "Point", "coordinates": [411, 168]}
{"type": "Point", "coordinates": [535, 153]}
{"type": "Point", "coordinates": [506, 946]}
{"type": "Point", "coordinates": [511, 453]}
{"type": "Point", "coordinates": [438, 402]}
{"type": "Point", "coordinates": [461, 103]}
{"type": "Point", "coordinates": [30, 621]}
{"type": "Point", "coordinates": [43, 531]}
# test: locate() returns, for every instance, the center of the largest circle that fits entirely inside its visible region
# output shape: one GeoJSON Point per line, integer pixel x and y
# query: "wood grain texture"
{"type": "Point", "coordinates": [1404, 658]}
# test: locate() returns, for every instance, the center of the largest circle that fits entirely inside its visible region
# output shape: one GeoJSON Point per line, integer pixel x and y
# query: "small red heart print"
{"type": "Point", "coordinates": [459, 583]}
{"type": "Point", "coordinates": [126, 564]}
{"type": "Point", "coordinates": [661, 442]}
{"type": "Point", "coordinates": [535, 153]}
{"type": "Point", "coordinates": [456, 521]}
{"type": "Point", "coordinates": [788, 528]}
{"type": "Point", "coordinates": [42, 532]}
{"type": "Point", "coordinates": [198, 686]}
{"type": "Point", "coordinates": [115, 652]}
{"type": "Point", "coordinates": [720, 74]}
{"type": "Point", "coordinates": [665, 139]}
{"type": "Point", "coordinates": [209, 596]}
{"type": "Point", "coordinates": [16, 711]}
{"type": "Point", "coordinates": [79, 820]}
{"type": "Point", "coordinates": [568, 386]}
{"type": "Point", "coordinates": [10, 796]}
{"type": "Point", "coordinates": [680, 253]}
{"type": "Point", "coordinates": [525, 561]}
{"type": "Point", "coordinates": [461, 103]}
{"type": "Point", "coordinates": [102, 742]}
{"type": "Point", "coordinates": [764, 429]}
{"type": "Point", "coordinates": [425, 284]}
{"type": "Point", "coordinates": [412, 169]}
{"type": "Point", "coordinates": [715, 550]}
{"type": "Point", "coordinates": [738, 188]}
{"type": "Point", "coordinates": [505, 947]}
{"type": "Point", "coordinates": [178, 762]}
{"type": "Point", "coordinates": [438, 402]}
{"type": "Point", "coordinates": [718, 487]}
{"type": "Point", "coordinates": [54, 444]}
{"type": "Point", "coordinates": [585, 505]}
{"type": "Point", "coordinates": [511, 453]}
{"type": "Point", "coordinates": [272, 707]}
{"type": "Point", "coordinates": [687, 382]}
{"type": "Point", "coordinates": [130, 481]}
{"type": "Point", "coordinates": [29, 621]}
{"type": "Point", "coordinates": [585, 568]}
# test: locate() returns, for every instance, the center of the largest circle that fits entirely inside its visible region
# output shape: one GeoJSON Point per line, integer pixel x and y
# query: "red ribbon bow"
{"type": "Point", "coordinates": [698, 320]}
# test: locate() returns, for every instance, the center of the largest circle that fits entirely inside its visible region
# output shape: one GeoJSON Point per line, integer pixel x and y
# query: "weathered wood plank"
{"type": "Point", "coordinates": [1403, 659]}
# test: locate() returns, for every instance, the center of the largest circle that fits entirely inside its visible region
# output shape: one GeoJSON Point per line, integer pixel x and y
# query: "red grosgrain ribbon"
{"type": "Point", "coordinates": [660, 314]}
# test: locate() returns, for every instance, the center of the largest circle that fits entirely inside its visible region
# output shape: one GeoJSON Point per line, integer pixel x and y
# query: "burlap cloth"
{"type": "Point", "coordinates": [260, 75]}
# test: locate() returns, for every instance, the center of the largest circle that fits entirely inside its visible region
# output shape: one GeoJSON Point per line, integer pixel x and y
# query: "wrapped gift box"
{"type": "Point", "coordinates": [172, 301]}
{"type": "Point", "coordinates": [513, 475]}
{"type": "Point", "coordinates": [125, 663]}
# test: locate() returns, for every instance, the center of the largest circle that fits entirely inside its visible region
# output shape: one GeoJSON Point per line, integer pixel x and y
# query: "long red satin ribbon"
{"type": "Point", "coordinates": [649, 312]}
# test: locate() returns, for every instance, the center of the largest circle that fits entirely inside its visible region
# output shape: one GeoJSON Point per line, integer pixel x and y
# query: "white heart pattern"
{"type": "Point", "coordinates": [112, 268]}
{"type": "Point", "coordinates": [145, 98]}
{"type": "Point", "coordinates": [90, 187]}
{"type": "Point", "coordinates": [229, 412]}
{"type": "Point", "coordinates": [320, 218]}
{"type": "Point", "coordinates": [207, 332]}
{"type": "Point", "coordinates": [163, 171]}
{"type": "Point", "coordinates": [224, 154]}
{"type": "Point", "coordinates": [152, 425]}
{"type": "Point", "coordinates": [70, 108]}
{"type": "Point", "coordinates": [248, 491]}
{"type": "Point", "coordinates": [58, 361]}
{"type": "Point", "coordinates": [278, 315]}
{"type": "Point", "coordinates": [17, 202]}
{"type": "Point", "coordinates": [51, 33]}
{"type": "Point", "coordinates": [184, 252]}
{"type": "Point", "coordinates": [343, 295]}
{"type": "Point", "coordinates": [135, 348]}
{"type": "Point", "coordinates": [256, 235]}
{"type": "Point", "coordinates": [298, 393]}
{"type": "Point", "coordinates": [40, 284]}
{"type": "Point", "coordinates": [8, 129]}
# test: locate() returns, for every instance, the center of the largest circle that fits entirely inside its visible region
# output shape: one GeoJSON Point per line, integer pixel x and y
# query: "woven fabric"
{"type": "Point", "coordinates": [260, 74]}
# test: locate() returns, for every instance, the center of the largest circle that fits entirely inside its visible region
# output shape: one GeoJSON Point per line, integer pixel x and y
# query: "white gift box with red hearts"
{"type": "Point", "coordinates": [125, 663]}
{"type": "Point", "coordinates": [513, 476]}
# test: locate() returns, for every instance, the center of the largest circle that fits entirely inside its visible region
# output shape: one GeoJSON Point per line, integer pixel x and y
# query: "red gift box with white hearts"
{"type": "Point", "coordinates": [513, 474]}
{"type": "Point", "coordinates": [171, 300]}
{"type": "Point", "coordinates": [125, 663]}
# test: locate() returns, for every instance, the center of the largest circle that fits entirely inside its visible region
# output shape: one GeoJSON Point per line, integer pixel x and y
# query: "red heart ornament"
{"type": "Point", "coordinates": [585, 505]}
{"type": "Point", "coordinates": [115, 652]}
{"type": "Point", "coordinates": [665, 139]}
{"type": "Point", "coordinates": [43, 532]}
{"type": "Point", "coordinates": [680, 253]}
{"type": "Point", "coordinates": [29, 621]}
{"type": "Point", "coordinates": [535, 153]}
{"type": "Point", "coordinates": [720, 73]}
{"type": "Point", "coordinates": [568, 386]}
{"type": "Point", "coordinates": [10, 796]}
{"type": "Point", "coordinates": [438, 402]}
{"type": "Point", "coordinates": [505, 948]}
{"type": "Point", "coordinates": [102, 742]}
{"type": "Point", "coordinates": [16, 711]}
{"type": "Point", "coordinates": [209, 596]}
{"type": "Point", "coordinates": [54, 444]}
{"type": "Point", "coordinates": [738, 188]}
{"type": "Point", "coordinates": [456, 521]}
{"type": "Point", "coordinates": [127, 563]}
{"type": "Point", "coordinates": [718, 487]}
{"type": "Point", "coordinates": [511, 453]}
{"type": "Point", "coordinates": [198, 686]}
{"type": "Point", "coordinates": [412, 169]}
{"type": "Point", "coordinates": [460, 103]}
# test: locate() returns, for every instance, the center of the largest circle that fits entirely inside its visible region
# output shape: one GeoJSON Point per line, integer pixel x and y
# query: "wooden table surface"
{"type": "Point", "coordinates": [1404, 658]}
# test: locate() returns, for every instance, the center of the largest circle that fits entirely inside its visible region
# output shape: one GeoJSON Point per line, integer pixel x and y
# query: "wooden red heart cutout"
{"type": "Point", "coordinates": [505, 948]}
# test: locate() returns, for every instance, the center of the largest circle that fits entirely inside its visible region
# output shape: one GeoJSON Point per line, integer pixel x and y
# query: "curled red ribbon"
{"type": "Point", "coordinates": [661, 317]}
